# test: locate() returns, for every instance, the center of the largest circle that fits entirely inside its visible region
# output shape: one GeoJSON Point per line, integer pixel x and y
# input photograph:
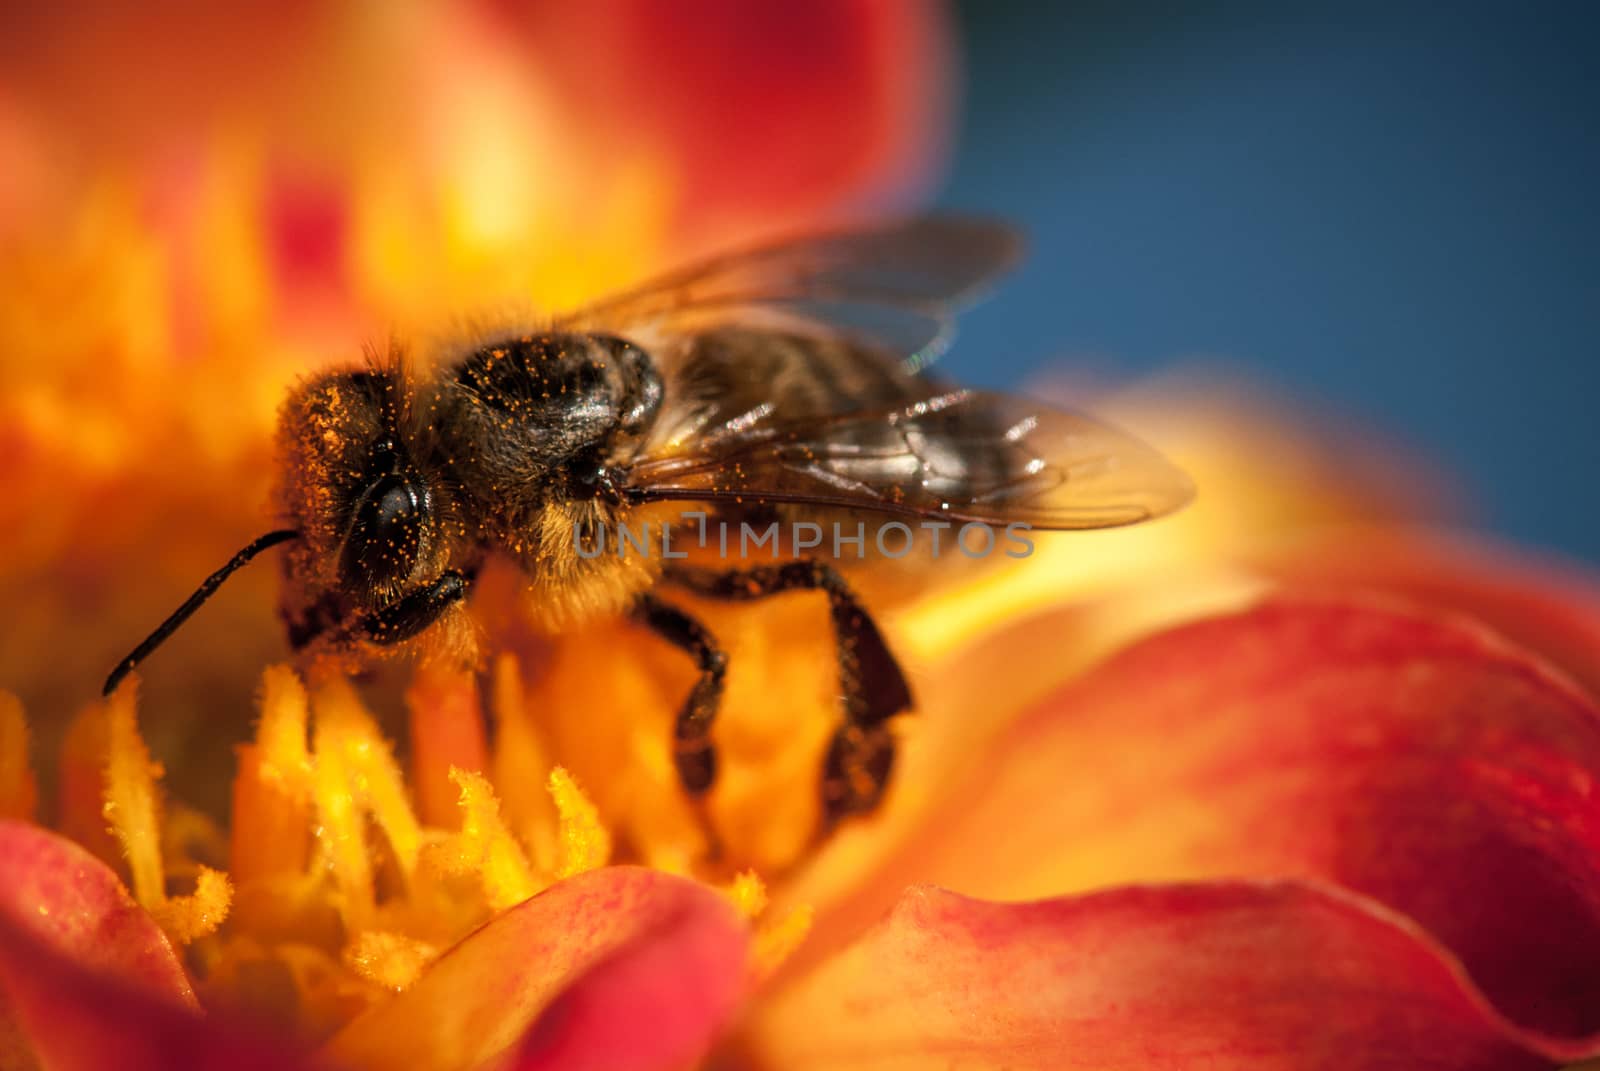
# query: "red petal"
{"type": "Point", "coordinates": [769, 112]}
{"type": "Point", "coordinates": [1242, 975]}
{"type": "Point", "coordinates": [1544, 607]}
{"type": "Point", "coordinates": [1420, 761]}
{"type": "Point", "coordinates": [88, 977]}
{"type": "Point", "coordinates": [65, 898]}
{"type": "Point", "coordinates": [619, 967]}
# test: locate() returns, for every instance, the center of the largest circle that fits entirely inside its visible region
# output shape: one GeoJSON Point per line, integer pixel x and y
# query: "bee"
{"type": "Point", "coordinates": [787, 381]}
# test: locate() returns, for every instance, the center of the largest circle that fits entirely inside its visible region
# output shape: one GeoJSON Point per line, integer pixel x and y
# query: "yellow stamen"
{"type": "Point", "coordinates": [273, 787]}
{"type": "Point", "coordinates": [367, 768]}
{"type": "Point", "coordinates": [133, 808]}
{"type": "Point", "coordinates": [518, 749]}
{"type": "Point", "coordinates": [81, 796]}
{"type": "Point", "coordinates": [131, 803]}
{"type": "Point", "coordinates": [341, 826]}
{"type": "Point", "coordinates": [329, 916]}
{"type": "Point", "coordinates": [487, 845]}
{"type": "Point", "coordinates": [749, 894]}
{"type": "Point", "coordinates": [585, 842]}
{"type": "Point", "coordinates": [391, 960]}
{"type": "Point", "coordinates": [187, 918]}
{"type": "Point", "coordinates": [774, 939]}
{"type": "Point", "coordinates": [281, 735]}
{"type": "Point", "coordinates": [19, 794]}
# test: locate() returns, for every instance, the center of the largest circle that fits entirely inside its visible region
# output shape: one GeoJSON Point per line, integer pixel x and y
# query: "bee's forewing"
{"type": "Point", "coordinates": [754, 411]}
{"type": "Point", "coordinates": [894, 288]}
{"type": "Point", "coordinates": [960, 455]}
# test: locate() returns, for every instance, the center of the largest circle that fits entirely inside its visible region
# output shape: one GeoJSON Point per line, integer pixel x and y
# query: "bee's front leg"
{"type": "Point", "coordinates": [325, 623]}
{"type": "Point", "coordinates": [861, 754]}
{"type": "Point", "coordinates": [411, 615]}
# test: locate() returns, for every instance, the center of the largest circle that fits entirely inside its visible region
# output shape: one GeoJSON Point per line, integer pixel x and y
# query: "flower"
{"type": "Point", "coordinates": [1367, 833]}
{"type": "Point", "coordinates": [1289, 780]}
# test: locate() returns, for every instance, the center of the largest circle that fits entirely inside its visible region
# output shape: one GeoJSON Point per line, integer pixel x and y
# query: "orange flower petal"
{"type": "Point", "coordinates": [620, 964]}
{"type": "Point", "coordinates": [1236, 975]}
{"type": "Point", "coordinates": [88, 978]}
{"type": "Point", "coordinates": [1546, 608]}
{"type": "Point", "coordinates": [1421, 761]}
{"type": "Point", "coordinates": [179, 68]}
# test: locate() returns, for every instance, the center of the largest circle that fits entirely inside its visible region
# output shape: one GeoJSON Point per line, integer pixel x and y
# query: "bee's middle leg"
{"type": "Point", "coordinates": [693, 752]}
{"type": "Point", "coordinates": [861, 755]}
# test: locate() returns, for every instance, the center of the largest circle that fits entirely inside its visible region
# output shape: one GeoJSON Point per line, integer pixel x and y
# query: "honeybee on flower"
{"type": "Point", "coordinates": [1285, 780]}
{"type": "Point", "coordinates": [402, 476]}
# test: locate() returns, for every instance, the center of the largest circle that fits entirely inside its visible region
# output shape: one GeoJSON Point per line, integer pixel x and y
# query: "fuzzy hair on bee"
{"type": "Point", "coordinates": [400, 470]}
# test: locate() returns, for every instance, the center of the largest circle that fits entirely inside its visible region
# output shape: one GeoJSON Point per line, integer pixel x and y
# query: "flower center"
{"type": "Point", "coordinates": [345, 877]}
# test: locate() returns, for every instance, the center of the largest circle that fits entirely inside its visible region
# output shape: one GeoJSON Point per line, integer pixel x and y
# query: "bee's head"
{"type": "Point", "coordinates": [364, 516]}
{"type": "Point", "coordinates": [368, 512]}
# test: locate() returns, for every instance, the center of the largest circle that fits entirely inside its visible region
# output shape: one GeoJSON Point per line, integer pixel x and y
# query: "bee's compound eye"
{"type": "Point", "coordinates": [385, 535]}
{"type": "Point", "coordinates": [395, 504]}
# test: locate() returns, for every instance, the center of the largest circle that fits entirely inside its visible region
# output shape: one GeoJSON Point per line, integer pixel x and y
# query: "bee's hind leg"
{"type": "Point", "coordinates": [693, 753]}
{"type": "Point", "coordinates": [860, 756]}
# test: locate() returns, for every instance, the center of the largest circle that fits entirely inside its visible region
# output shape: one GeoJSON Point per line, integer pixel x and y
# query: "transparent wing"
{"type": "Point", "coordinates": [958, 455]}
{"type": "Point", "coordinates": [894, 288]}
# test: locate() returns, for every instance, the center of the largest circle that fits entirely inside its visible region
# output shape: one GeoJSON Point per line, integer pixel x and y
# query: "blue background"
{"type": "Point", "coordinates": [1387, 212]}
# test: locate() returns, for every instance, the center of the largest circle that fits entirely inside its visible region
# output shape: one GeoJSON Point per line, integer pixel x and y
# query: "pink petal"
{"type": "Point", "coordinates": [89, 980]}
{"type": "Point", "coordinates": [1418, 760]}
{"type": "Point", "coordinates": [59, 895]}
{"type": "Point", "coordinates": [619, 967]}
{"type": "Point", "coordinates": [1237, 975]}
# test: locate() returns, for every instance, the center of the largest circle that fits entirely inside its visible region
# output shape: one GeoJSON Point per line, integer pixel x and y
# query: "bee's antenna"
{"type": "Point", "coordinates": [202, 593]}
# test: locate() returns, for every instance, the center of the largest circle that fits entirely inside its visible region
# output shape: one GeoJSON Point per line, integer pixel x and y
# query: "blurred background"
{"type": "Point", "coordinates": [1387, 210]}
